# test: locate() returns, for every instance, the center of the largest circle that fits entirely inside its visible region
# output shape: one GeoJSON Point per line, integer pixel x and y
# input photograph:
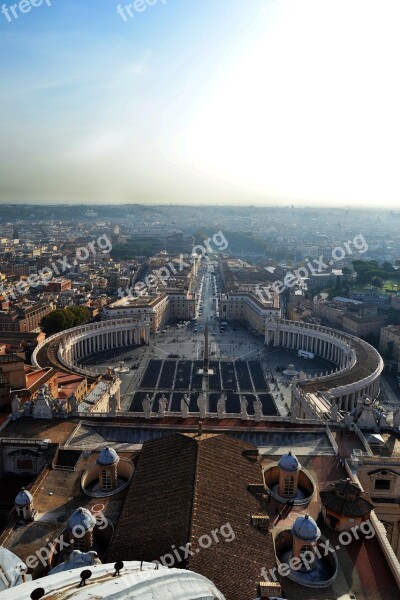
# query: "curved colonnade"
{"type": "Point", "coordinates": [79, 342]}
{"type": "Point", "coordinates": [358, 366]}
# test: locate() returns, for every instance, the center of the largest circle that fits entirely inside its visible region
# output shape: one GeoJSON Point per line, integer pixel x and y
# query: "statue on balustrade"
{"type": "Point", "coordinates": [201, 403]}
{"type": "Point", "coordinates": [73, 403]}
{"type": "Point", "coordinates": [221, 406]}
{"type": "Point", "coordinates": [334, 409]}
{"type": "Point", "coordinates": [15, 406]}
{"type": "Point", "coordinates": [113, 404]}
{"type": "Point", "coordinates": [162, 405]}
{"type": "Point", "coordinates": [396, 418]}
{"type": "Point", "coordinates": [243, 407]}
{"type": "Point", "coordinates": [258, 412]}
{"type": "Point", "coordinates": [147, 406]}
{"type": "Point", "coordinates": [185, 406]}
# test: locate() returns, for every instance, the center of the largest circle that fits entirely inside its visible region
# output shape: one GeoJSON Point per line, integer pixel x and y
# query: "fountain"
{"type": "Point", "coordinates": [290, 371]}
{"type": "Point", "coordinates": [121, 368]}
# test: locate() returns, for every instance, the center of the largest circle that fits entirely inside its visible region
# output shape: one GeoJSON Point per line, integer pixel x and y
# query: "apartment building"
{"type": "Point", "coordinates": [389, 343]}
{"type": "Point", "coordinates": [24, 318]}
{"type": "Point", "coordinates": [245, 306]}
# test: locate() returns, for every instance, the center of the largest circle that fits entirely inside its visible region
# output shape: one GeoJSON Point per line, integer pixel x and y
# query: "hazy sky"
{"type": "Point", "coordinates": [236, 101]}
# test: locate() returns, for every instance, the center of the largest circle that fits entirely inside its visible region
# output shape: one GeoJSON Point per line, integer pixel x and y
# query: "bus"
{"type": "Point", "coordinates": [305, 354]}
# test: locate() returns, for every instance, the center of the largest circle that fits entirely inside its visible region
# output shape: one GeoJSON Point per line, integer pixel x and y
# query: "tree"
{"type": "Point", "coordinates": [54, 322]}
{"type": "Point", "coordinates": [377, 282]}
{"type": "Point", "coordinates": [62, 319]}
{"type": "Point", "coordinates": [77, 315]}
{"type": "Point", "coordinates": [387, 266]}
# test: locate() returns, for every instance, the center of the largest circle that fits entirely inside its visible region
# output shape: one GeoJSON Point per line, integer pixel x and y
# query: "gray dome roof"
{"type": "Point", "coordinates": [23, 498]}
{"type": "Point", "coordinates": [107, 456]}
{"type": "Point", "coordinates": [137, 580]}
{"type": "Point", "coordinates": [82, 517]}
{"type": "Point", "coordinates": [305, 528]}
{"type": "Point", "coordinates": [77, 560]}
{"type": "Point", "coordinates": [289, 462]}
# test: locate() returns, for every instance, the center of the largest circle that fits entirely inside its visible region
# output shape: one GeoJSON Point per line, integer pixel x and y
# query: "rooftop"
{"type": "Point", "coordinates": [204, 482]}
{"type": "Point", "coordinates": [56, 499]}
{"type": "Point", "coordinates": [9, 358]}
{"type": "Point", "coordinates": [346, 499]}
{"type": "Point", "coordinates": [368, 360]}
{"type": "Point", "coordinates": [135, 582]}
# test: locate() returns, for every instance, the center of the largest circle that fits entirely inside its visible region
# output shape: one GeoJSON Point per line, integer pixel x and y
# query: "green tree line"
{"type": "Point", "coordinates": [64, 318]}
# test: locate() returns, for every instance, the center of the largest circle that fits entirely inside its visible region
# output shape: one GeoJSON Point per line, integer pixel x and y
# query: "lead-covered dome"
{"type": "Point", "coordinates": [289, 462]}
{"type": "Point", "coordinates": [107, 457]}
{"type": "Point", "coordinates": [306, 529]}
{"type": "Point", "coordinates": [83, 518]}
{"type": "Point", "coordinates": [23, 498]}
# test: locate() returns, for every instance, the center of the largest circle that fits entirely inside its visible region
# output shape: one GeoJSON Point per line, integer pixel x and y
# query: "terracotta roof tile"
{"type": "Point", "coordinates": [186, 487]}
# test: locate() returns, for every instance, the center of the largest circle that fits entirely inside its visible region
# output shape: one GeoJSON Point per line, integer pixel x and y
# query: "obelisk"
{"type": "Point", "coordinates": [206, 353]}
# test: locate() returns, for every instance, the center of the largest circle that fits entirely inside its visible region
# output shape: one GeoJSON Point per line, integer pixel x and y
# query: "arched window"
{"type": "Point", "coordinates": [288, 488]}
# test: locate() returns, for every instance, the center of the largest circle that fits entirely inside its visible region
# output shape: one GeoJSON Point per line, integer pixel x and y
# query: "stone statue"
{"type": "Point", "coordinates": [201, 403]}
{"type": "Point", "coordinates": [383, 420]}
{"type": "Point", "coordinates": [348, 419]}
{"type": "Point", "coordinates": [185, 406]}
{"type": "Point", "coordinates": [15, 405]}
{"type": "Point", "coordinates": [147, 407]}
{"type": "Point", "coordinates": [258, 409]}
{"type": "Point", "coordinates": [396, 418]}
{"type": "Point", "coordinates": [221, 406]}
{"type": "Point", "coordinates": [28, 408]}
{"type": "Point", "coordinates": [62, 410]}
{"type": "Point", "coordinates": [334, 410]}
{"type": "Point", "coordinates": [73, 403]}
{"type": "Point", "coordinates": [113, 404]}
{"type": "Point", "coordinates": [162, 405]}
{"type": "Point", "coordinates": [243, 407]}
{"type": "Point", "coordinates": [43, 406]}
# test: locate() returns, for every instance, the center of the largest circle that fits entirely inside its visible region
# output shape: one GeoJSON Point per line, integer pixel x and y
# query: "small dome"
{"type": "Point", "coordinates": [77, 560]}
{"type": "Point", "coordinates": [107, 456]}
{"type": "Point", "coordinates": [23, 498]}
{"type": "Point", "coordinates": [82, 517]}
{"type": "Point", "coordinates": [305, 528]}
{"type": "Point", "coordinates": [289, 462]}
